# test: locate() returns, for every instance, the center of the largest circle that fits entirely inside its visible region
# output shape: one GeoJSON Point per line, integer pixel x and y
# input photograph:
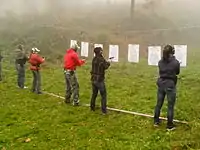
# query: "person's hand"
{"type": "Point", "coordinates": [109, 60]}
{"type": "Point", "coordinates": [84, 60]}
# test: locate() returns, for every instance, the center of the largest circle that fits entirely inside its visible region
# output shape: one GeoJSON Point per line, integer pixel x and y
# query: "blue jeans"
{"type": "Point", "coordinates": [171, 97]}
{"type": "Point", "coordinates": [99, 86]}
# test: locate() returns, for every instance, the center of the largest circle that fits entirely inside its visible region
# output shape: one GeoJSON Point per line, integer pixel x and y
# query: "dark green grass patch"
{"type": "Point", "coordinates": [51, 124]}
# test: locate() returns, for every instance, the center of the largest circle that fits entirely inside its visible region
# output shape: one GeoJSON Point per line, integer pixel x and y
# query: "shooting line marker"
{"type": "Point", "coordinates": [122, 111]}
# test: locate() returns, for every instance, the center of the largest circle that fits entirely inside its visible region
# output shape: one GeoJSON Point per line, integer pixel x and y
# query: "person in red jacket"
{"type": "Point", "coordinates": [71, 61]}
{"type": "Point", "coordinates": [36, 60]}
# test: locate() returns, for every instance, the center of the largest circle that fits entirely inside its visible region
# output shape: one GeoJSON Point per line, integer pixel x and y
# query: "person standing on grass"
{"type": "Point", "coordinates": [20, 61]}
{"type": "Point", "coordinates": [71, 61]}
{"type": "Point", "coordinates": [36, 60]}
{"type": "Point", "coordinates": [1, 57]}
{"type": "Point", "coordinates": [99, 65]}
{"type": "Point", "coordinates": [169, 68]}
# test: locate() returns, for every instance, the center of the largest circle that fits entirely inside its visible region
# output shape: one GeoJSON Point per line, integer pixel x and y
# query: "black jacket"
{"type": "Point", "coordinates": [168, 71]}
{"type": "Point", "coordinates": [99, 65]}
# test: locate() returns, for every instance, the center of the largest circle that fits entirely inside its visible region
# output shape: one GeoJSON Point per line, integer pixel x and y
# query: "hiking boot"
{"type": "Point", "coordinates": [39, 92]}
{"type": "Point", "coordinates": [92, 109]}
{"type": "Point", "coordinates": [67, 101]}
{"type": "Point", "coordinates": [156, 124]}
{"type": "Point", "coordinates": [75, 103]}
{"type": "Point", "coordinates": [171, 127]}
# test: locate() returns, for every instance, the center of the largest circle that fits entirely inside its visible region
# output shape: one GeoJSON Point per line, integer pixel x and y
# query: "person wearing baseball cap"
{"type": "Point", "coordinates": [36, 60]}
{"type": "Point", "coordinates": [71, 62]}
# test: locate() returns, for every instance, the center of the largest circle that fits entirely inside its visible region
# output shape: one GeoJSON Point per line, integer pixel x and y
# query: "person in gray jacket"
{"type": "Point", "coordinates": [169, 68]}
{"type": "Point", "coordinates": [20, 61]}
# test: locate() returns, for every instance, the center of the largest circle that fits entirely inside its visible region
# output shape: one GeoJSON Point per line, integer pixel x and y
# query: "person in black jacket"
{"type": "Point", "coordinates": [99, 65]}
{"type": "Point", "coordinates": [169, 68]}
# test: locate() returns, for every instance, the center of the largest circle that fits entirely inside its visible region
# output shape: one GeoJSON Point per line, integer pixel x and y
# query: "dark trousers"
{"type": "Point", "coordinates": [171, 97]}
{"type": "Point", "coordinates": [99, 86]}
{"type": "Point", "coordinates": [20, 75]}
{"type": "Point", "coordinates": [36, 85]}
{"type": "Point", "coordinates": [72, 87]}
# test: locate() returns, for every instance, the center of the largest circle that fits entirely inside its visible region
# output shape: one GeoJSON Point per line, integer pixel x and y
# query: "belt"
{"type": "Point", "coordinates": [68, 70]}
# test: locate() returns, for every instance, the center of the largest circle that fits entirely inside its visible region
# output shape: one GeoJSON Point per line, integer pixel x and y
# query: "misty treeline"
{"type": "Point", "coordinates": [50, 24]}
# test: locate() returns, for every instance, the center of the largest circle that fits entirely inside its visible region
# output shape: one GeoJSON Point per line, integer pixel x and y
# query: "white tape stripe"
{"type": "Point", "coordinates": [119, 110]}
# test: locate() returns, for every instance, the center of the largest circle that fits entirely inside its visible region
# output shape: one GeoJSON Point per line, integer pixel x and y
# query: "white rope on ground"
{"type": "Point", "coordinates": [123, 111]}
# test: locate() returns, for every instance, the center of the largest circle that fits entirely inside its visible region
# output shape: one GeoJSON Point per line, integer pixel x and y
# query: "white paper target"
{"type": "Point", "coordinates": [84, 49]}
{"type": "Point", "coordinates": [72, 42]}
{"type": "Point", "coordinates": [154, 55]}
{"type": "Point", "coordinates": [133, 53]}
{"type": "Point", "coordinates": [114, 52]}
{"type": "Point", "coordinates": [181, 54]}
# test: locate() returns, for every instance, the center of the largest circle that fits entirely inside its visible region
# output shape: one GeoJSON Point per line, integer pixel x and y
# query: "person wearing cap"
{"type": "Point", "coordinates": [99, 65]}
{"type": "Point", "coordinates": [36, 60]}
{"type": "Point", "coordinates": [20, 61]}
{"type": "Point", "coordinates": [169, 68]}
{"type": "Point", "coordinates": [71, 61]}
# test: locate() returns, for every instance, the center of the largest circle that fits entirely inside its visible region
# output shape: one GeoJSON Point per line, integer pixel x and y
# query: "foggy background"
{"type": "Point", "coordinates": [51, 24]}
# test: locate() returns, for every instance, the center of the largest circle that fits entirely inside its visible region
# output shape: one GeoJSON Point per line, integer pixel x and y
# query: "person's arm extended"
{"type": "Point", "coordinates": [40, 60]}
{"type": "Point", "coordinates": [78, 61]}
{"type": "Point", "coordinates": [106, 64]}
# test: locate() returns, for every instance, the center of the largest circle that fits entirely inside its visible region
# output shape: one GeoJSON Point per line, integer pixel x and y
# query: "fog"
{"type": "Point", "coordinates": [104, 19]}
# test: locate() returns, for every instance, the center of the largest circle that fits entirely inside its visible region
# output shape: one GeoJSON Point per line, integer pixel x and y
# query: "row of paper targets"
{"type": "Point", "coordinates": [154, 52]}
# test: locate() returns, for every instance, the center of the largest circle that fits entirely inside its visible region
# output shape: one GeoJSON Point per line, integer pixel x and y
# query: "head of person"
{"type": "Point", "coordinates": [75, 47]}
{"type": "Point", "coordinates": [98, 51]}
{"type": "Point", "coordinates": [168, 51]}
{"type": "Point", "coordinates": [20, 46]}
{"type": "Point", "coordinates": [35, 50]}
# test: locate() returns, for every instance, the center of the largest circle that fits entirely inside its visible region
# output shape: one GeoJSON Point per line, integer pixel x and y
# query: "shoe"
{"type": "Point", "coordinates": [67, 101]}
{"type": "Point", "coordinates": [104, 113]}
{"type": "Point", "coordinates": [39, 93]}
{"type": "Point", "coordinates": [171, 127]}
{"type": "Point", "coordinates": [156, 124]}
{"type": "Point", "coordinates": [25, 87]}
{"type": "Point", "coordinates": [33, 91]}
{"type": "Point", "coordinates": [92, 109]}
{"type": "Point", "coordinates": [75, 103]}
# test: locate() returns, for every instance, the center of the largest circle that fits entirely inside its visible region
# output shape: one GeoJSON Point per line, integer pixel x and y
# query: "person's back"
{"type": "Point", "coordinates": [168, 70]}
{"type": "Point", "coordinates": [71, 60]}
{"type": "Point", "coordinates": [20, 56]}
{"type": "Point", "coordinates": [99, 65]}
{"type": "Point", "coordinates": [20, 61]}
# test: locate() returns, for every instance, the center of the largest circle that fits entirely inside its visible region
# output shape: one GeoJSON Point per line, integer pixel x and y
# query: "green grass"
{"type": "Point", "coordinates": [51, 124]}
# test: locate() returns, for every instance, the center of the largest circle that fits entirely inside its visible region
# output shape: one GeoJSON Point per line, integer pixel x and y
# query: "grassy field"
{"type": "Point", "coordinates": [50, 124]}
